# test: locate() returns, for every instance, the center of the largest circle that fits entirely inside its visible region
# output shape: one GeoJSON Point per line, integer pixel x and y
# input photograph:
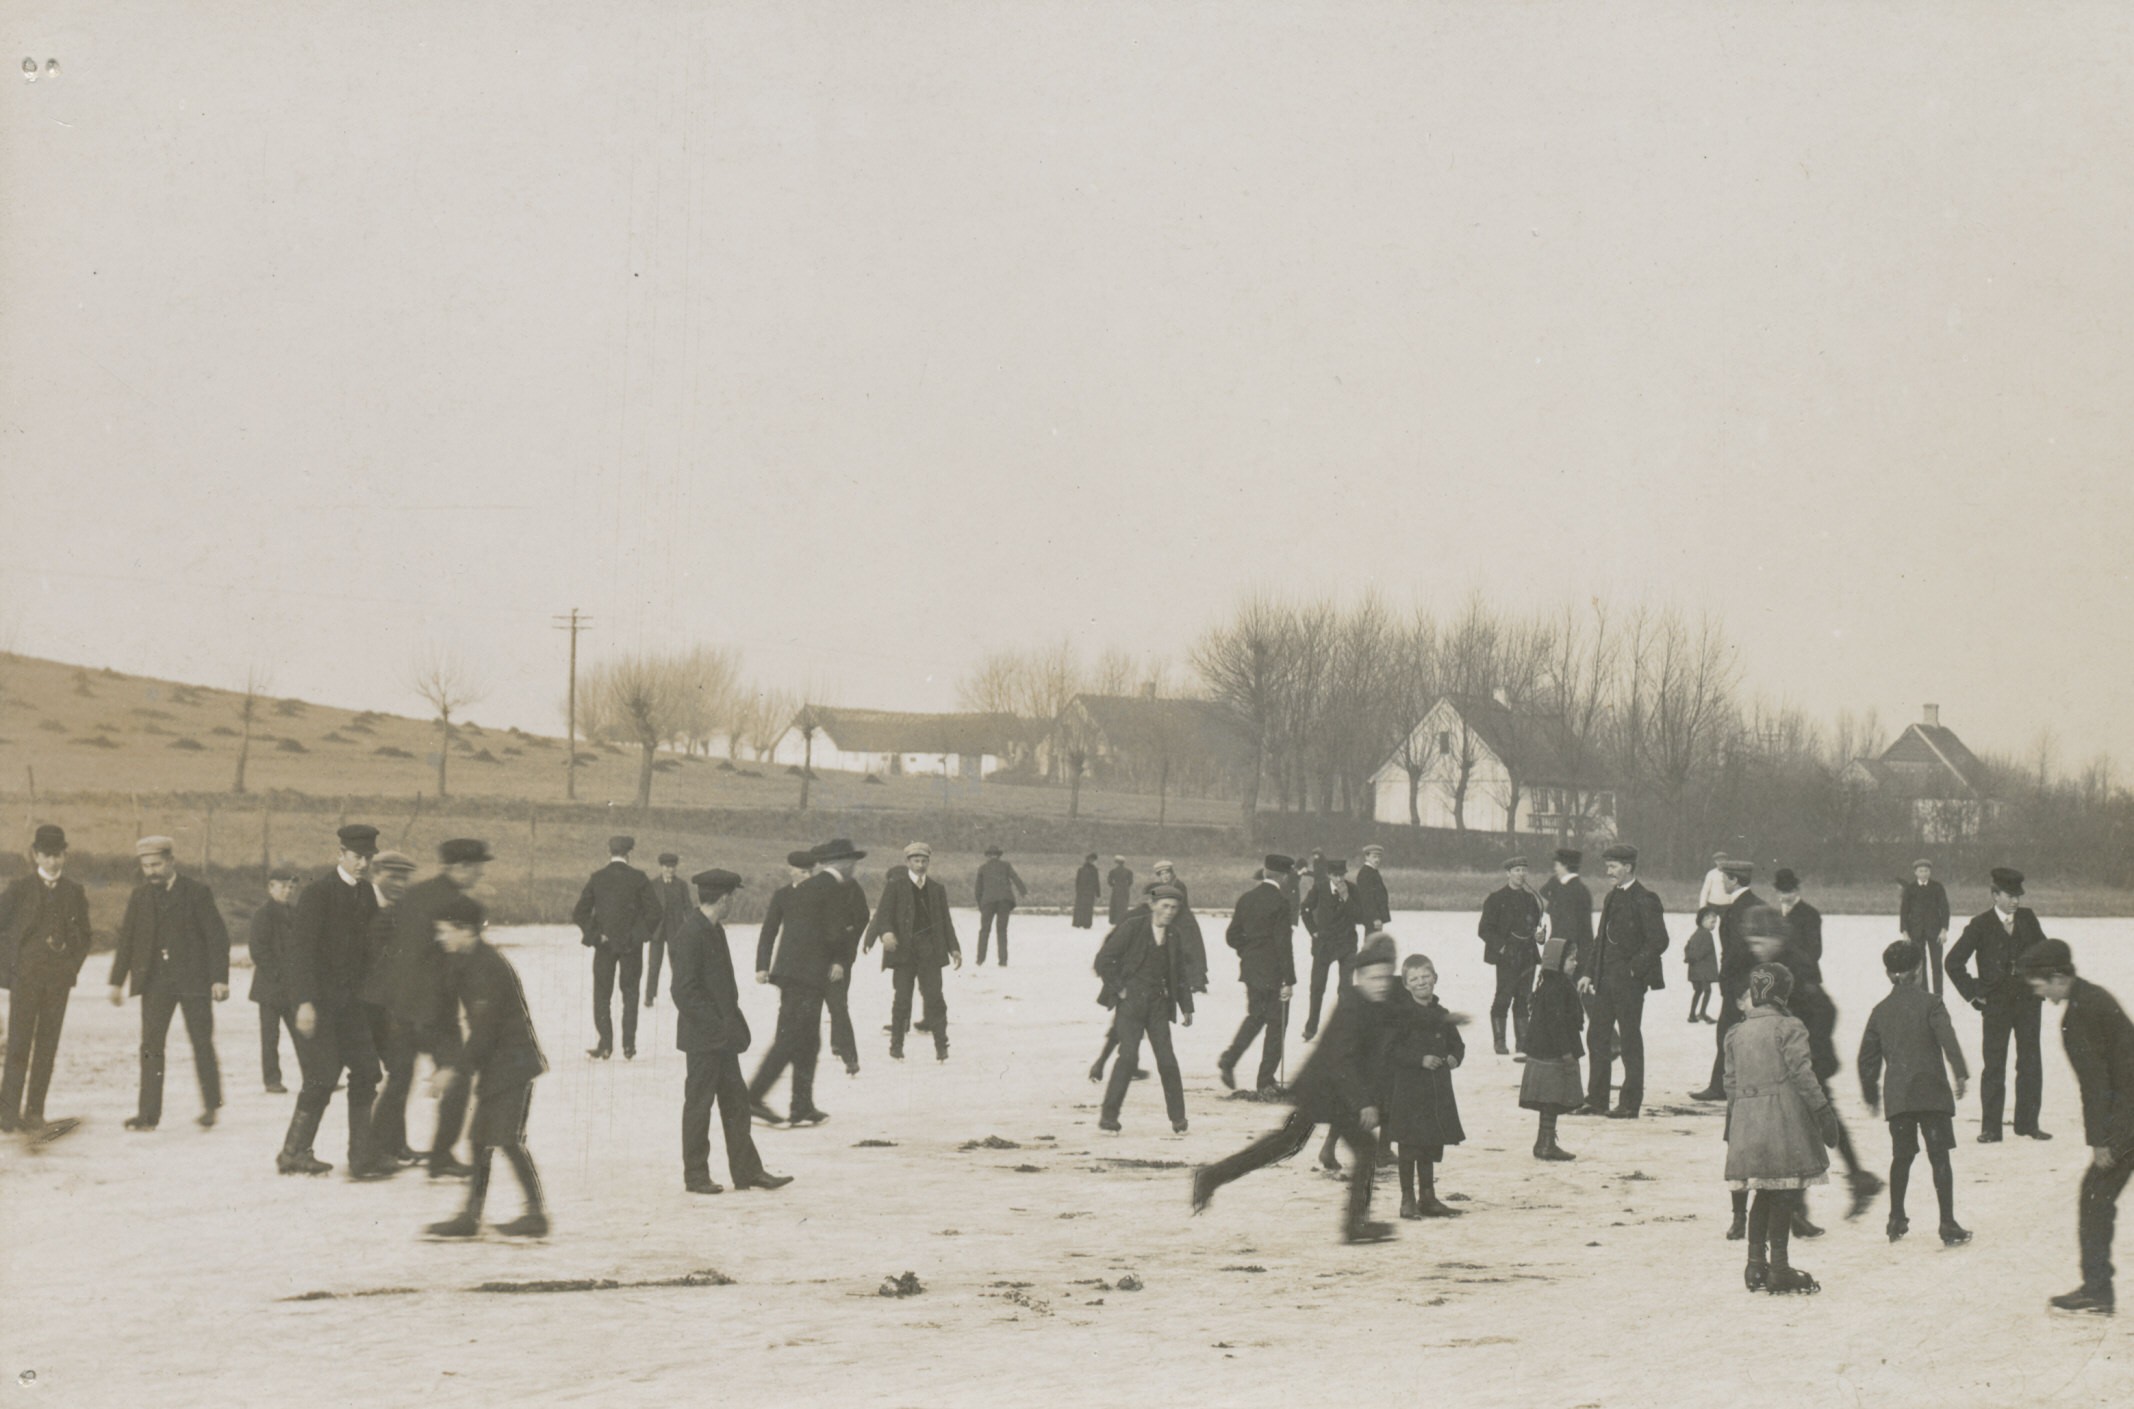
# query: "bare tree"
{"type": "Point", "coordinates": [642, 699]}
{"type": "Point", "coordinates": [1115, 673]}
{"type": "Point", "coordinates": [712, 696]}
{"type": "Point", "coordinates": [991, 686]}
{"type": "Point", "coordinates": [256, 685]}
{"type": "Point", "coordinates": [1414, 689]}
{"type": "Point", "coordinates": [1685, 675]}
{"type": "Point", "coordinates": [1241, 664]}
{"type": "Point", "coordinates": [1578, 684]}
{"type": "Point", "coordinates": [447, 682]}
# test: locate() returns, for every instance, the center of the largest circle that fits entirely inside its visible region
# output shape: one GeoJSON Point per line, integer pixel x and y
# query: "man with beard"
{"type": "Point", "coordinates": [1087, 886]}
{"type": "Point", "coordinates": [329, 964]}
{"type": "Point", "coordinates": [712, 1033]}
{"type": "Point", "coordinates": [1631, 940]}
{"type": "Point", "coordinates": [44, 937]}
{"type": "Point", "coordinates": [1998, 938]}
{"type": "Point", "coordinates": [1150, 967]}
{"type": "Point", "coordinates": [918, 939]}
{"type": "Point", "coordinates": [414, 987]}
{"type": "Point", "coordinates": [173, 945]}
{"type": "Point", "coordinates": [1260, 930]}
{"type": "Point", "coordinates": [1736, 961]}
{"type": "Point", "coordinates": [814, 949]}
{"type": "Point", "coordinates": [1511, 917]}
{"type": "Point", "coordinates": [617, 913]}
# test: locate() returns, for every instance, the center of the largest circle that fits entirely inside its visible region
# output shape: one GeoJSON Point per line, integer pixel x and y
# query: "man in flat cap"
{"type": "Point", "coordinates": [2100, 1047]}
{"type": "Point", "coordinates": [918, 938]}
{"type": "Point", "coordinates": [815, 947]}
{"type": "Point", "coordinates": [1088, 885]}
{"type": "Point", "coordinates": [1631, 941]}
{"type": "Point", "coordinates": [1150, 966]}
{"type": "Point", "coordinates": [1736, 960]}
{"type": "Point", "coordinates": [1261, 928]}
{"type": "Point", "coordinates": [1511, 920]}
{"type": "Point", "coordinates": [174, 947]}
{"type": "Point", "coordinates": [712, 1032]}
{"type": "Point", "coordinates": [675, 908]}
{"type": "Point", "coordinates": [618, 912]}
{"type": "Point", "coordinates": [415, 989]}
{"type": "Point", "coordinates": [1998, 938]}
{"type": "Point", "coordinates": [1374, 908]}
{"type": "Point", "coordinates": [998, 890]}
{"type": "Point", "coordinates": [1121, 880]}
{"type": "Point", "coordinates": [1330, 919]}
{"type": "Point", "coordinates": [1923, 917]}
{"type": "Point", "coordinates": [392, 874]}
{"type": "Point", "coordinates": [44, 937]}
{"type": "Point", "coordinates": [268, 943]}
{"type": "Point", "coordinates": [329, 966]}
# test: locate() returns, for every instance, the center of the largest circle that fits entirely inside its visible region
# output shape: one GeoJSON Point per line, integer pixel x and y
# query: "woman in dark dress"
{"type": "Point", "coordinates": [1550, 1084]}
{"type": "Point", "coordinates": [1422, 1048]}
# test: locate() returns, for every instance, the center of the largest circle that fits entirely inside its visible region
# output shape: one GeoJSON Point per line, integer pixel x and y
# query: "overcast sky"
{"type": "Point", "coordinates": [864, 337]}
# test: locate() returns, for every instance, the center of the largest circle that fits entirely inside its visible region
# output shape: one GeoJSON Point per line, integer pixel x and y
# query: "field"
{"type": "Point", "coordinates": [177, 1268]}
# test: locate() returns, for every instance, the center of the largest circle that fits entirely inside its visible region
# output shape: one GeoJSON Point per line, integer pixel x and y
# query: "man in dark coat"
{"type": "Point", "coordinates": [44, 937]}
{"type": "Point", "coordinates": [999, 888]}
{"type": "Point", "coordinates": [268, 943]}
{"type": "Point", "coordinates": [1121, 881]}
{"type": "Point", "coordinates": [1998, 938]}
{"type": "Point", "coordinates": [712, 1033]}
{"type": "Point", "coordinates": [918, 939]}
{"type": "Point", "coordinates": [617, 914]}
{"type": "Point", "coordinates": [412, 984]}
{"type": "Point", "coordinates": [1336, 1086]}
{"type": "Point", "coordinates": [1628, 947]}
{"type": "Point", "coordinates": [2100, 1047]}
{"type": "Point", "coordinates": [853, 914]}
{"type": "Point", "coordinates": [1088, 885]}
{"type": "Point", "coordinates": [1150, 966]}
{"type": "Point", "coordinates": [1736, 960]}
{"type": "Point", "coordinates": [1509, 930]}
{"type": "Point", "coordinates": [174, 947]}
{"type": "Point", "coordinates": [329, 966]}
{"type": "Point", "coordinates": [1923, 916]}
{"type": "Point", "coordinates": [1374, 908]}
{"type": "Point", "coordinates": [815, 947]}
{"type": "Point", "coordinates": [1331, 920]}
{"type": "Point", "coordinates": [1567, 906]}
{"type": "Point", "coordinates": [1260, 930]}
{"type": "Point", "coordinates": [675, 908]}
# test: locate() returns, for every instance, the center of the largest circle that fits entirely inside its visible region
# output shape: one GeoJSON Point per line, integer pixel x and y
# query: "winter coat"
{"type": "Point", "coordinates": [1259, 930]}
{"type": "Point", "coordinates": [1418, 1102]}
{"type": "Point", "coordinates": [930, 945]}
{"type": "Point", "coordinates": [1330, 918]}
{"type": "Point", "coordinates": [618, 907]}
{"type": "Point", "coordinates": [1122, 892]}
{"type": "Point", "coordinates": [677, 902]}
{"type": "Point", "coordinates": [1702, 956]}
{"type": "Point", "coordinates": [1804, 943]}
{"type": "Point", "coordinates": [1772, 1100]}
{"type": "Point", "coordinates": [174, 940]}
{"type": "Point", "coordinates": [2100, 1047]}
{"type": "Point", "coordinates": [1367, 895]}
{"type": "Point", "coordinates": [330, 943]}
{"type": "Point", "coordinates": [1923, 910]}
{"type": "Point", "coordinates": [1570, 909]}
{"type": "Point", "coordinates": [410, 982]}
{"type": "Point", "coordinates": [1555, 1019]}
{"type": "Point", "coordinates": [1736, 959]}
{"type": "Point", "coordinates": [1631, 939]}
{"type": "Point", "coordinates": [44, 934]}
{"type": "Point", "coordinates": [1342, 1074]}
{"type": "Point", "coordinates": [707, 1003]}
{"type": "Point", "coordinates": [1999, 954]}
{"type": "Point", "coordinates": [1088, 885]}
{"type": "Point", "coordinates": [501, 1048]}
{"type": "Point", "coordinates": [998, 884]}
{"type": "Point", "coordinates": [1134, 967]}
{"type": "Point", "coordinates": [1510, 917]}
{"type": "Point", "coordinates": [821, 921]}
{"type": "Point", "coordinates": [1910, 1031]}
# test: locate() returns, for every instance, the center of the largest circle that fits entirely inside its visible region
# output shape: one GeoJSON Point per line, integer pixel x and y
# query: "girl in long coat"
{"type": "Point", "coordinates": [1423, 1046]}
{"type": "Point", "coordinates": [1778, 1120]}
{"type": "Point", "coordinates": [1551, 1084]}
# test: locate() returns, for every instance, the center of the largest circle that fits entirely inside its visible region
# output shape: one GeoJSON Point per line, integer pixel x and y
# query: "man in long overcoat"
{"type": "Point", "coordinates": [1261, 928]}
{"type": "Point", "coordinates": [815, 946]}
{"type": "Point", "coordinates": [712, 1033]}
{"type": "Point", "coordinates": [1331, 920]}
{"type": "Point", "coordinates": [1629, 946]}
{"type": "Point", "coordinates": [1121, 881]}
{"type": "Point", "coordinates": [44, 937]}
{"type": "Point", "coordinates": [1088, 885]}
{"type": "Point", "coordinates": [1736, 961]}
{"type": "Point", "coordinates": [175, 948]}
{"type": "Point", "coordinates": [918, 939]}
{"type": "Point", "coordinates": [617, 914]}
{"type": "Point", "coordinates": [1374, 908]}
{"type": "Point", "coordinates": [1998, 938]}
{"type": "Point", "coordinates": [329, 966]}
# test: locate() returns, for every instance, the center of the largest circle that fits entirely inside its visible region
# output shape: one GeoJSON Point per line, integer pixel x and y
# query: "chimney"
{"type": "Point", "coordinates": [1933, 716]}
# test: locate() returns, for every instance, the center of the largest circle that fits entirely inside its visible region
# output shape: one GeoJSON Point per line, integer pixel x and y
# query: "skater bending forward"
{"type": "Point", "coordinates": [502, 1057]}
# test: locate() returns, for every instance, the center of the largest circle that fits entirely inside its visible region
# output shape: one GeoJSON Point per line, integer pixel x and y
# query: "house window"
{"type": "Point", "coordinates": [1444, 741]}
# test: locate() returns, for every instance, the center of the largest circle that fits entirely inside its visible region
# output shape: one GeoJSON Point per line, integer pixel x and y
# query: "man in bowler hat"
{"type": "Point", "coordinates": [175, 949]}
{"type": "Point", "coordinates": [618, 912]}
{"type": "Point", "coordinates": [816, 944]}
{"type": "Point", "coordinates": [329, 965]}
{"type": "Point", "coordinates": [1627, 949]}
{"type": "Point", "coordinates": [1997, 938]}
{"type": "Point", "coordinates": [712, 1033]}
{"type": "Point", "coordinates": [44, 937]}
{"type": "Point", "coordinates": [1261, 930]}
{"type": "Point", "coordinates": [2100, 1047]}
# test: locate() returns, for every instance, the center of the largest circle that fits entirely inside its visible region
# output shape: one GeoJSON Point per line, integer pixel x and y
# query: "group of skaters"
{"type": "Point", "coordinates": [371, 973]}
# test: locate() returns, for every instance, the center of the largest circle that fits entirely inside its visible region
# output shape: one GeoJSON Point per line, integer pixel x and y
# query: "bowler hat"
{"type": "Point", "coordinates": [621, 846]}
{"type": "Point", "coordinates": [714, 883]}
{"type": "Point", "coordinates": [1787, 882]}
{"type": "Point", "coordinates": [463, 851]}
{"type": "Point", "coordinates": [282, 875]}
{"type": "Point", "coordinates": [1570, 856]}
{"type": "Point", "coordinates": [2007, 880]}
{"type": "Point", "coordinates": [154, 846]}
{"type": "Point", "coordinates": [1622, 851]}
{"type": "Point", "coordinates": [1338, 866]}
{"type": "Point", "coordinates": [2048, 957]}
{"type": "Point", "coordinates": [668, 858]}
{"type": "Point", "coordinates": [838, 849]}
{"type": "Point", "coordinates": [800, 860]}
{"type": "Point", "coordinates": [1278, 864]}
{"type": "Point", "coordinates": [1378, 949]}
{"type": "Point", "coordinates": [359, 837]}
{"type": "Point", "coordinates": [50, 840]}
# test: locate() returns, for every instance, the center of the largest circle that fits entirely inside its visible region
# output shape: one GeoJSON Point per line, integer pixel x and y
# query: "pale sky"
{"type": "Point", "coordinates": [866, 336]}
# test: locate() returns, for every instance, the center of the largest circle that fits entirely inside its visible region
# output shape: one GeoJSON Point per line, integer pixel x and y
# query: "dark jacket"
{"type": "Point", "coordinates": [1701, 954]}
{"type": "Point", "coordinates": [268, 943]}
{"type": "Point", "coordinates": [1367, 894]}
{"type": "Point", "coordinates": [1259, 930]}
{"type": "Point", "coordinates": [1804, 943]}
{"type": "Point", "coordinates": [998, 884]}
{"type": "Point", "coordinates": [409, 981]}
{"type": "Point", "coordinates": [501, 1048]}
{"type": "Point", "coordinates": [1330, 918]}
{"type": "Point", "coordinates": [1570, 909]}
{"type": "Point", "coordinates": [676, 904]}
{"type": "Point", "coordinates": [1922, 910]}
{"type": "Point", "coordinates": [1510, 916]}
{"type": "Point", "coordinates": [330, 942]}
{"type": "Point", "coordinates": [174, 939]}
{"type": "Point", "coordinates": [1911, 1032]}
{"type": "Point", "coordinates": [1121, 881]}
{"type": "Point", "coordinates": [773, 925]}
{"type": "Point", "coordinates": [44, 933]}
{"type": "Point", "coordinates": [1736, 959]}
{"type": "Point", "coordinates": [818, 927]}
{"type": "Point", "coordinates": [1555, 1019]}
{"type": "Point", "coordinates": [928, 944]}
{"type": "Point", "coordinates": [1632, 936]}
{"type": "Point", "coordinates": [1341, 1076]}
{"type": "Point", "coordinates": [1136, 969]}
{"type": "Point", "coordinates": [618, 907]}
{"type": "Point", "coordinates": [1088, 885]}
{"type": "Point", "coordinates": [705, 996]}
{"type": "Point", "coordinates": [1419, 1105]}
{"type": "Point", "coordinates": [2100, 1047]}
{"type": "Point", "coordinates": [2000, 955]}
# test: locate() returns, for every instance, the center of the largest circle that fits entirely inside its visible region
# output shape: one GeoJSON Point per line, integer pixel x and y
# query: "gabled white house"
{"type": "Point", "coordinates": [887, 742]}
{"type": "Point", "coordinates": [1487, 766]}
{"type": "Point", "coordinates": [1939, 782]}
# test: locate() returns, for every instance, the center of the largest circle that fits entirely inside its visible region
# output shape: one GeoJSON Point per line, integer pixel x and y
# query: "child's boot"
{"type": "Point", "coordinates": [1426, 1197]}
{"type": "Point", "coordinates": [1739, 1228]}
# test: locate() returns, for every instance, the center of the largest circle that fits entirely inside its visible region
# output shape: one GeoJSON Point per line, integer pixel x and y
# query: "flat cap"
{"type": "Point", "coordinates": [800, 860]}
{"type": "Point", "coordinates": [463, 851]}
{"type": "Point", "coordinates": [50, 840]}
{"type": "Point", "coordinates": [1787, 882]}
{"type": "Point", "coordinates": [1277, 863]}
{"type": "Point", "coordinates": [1164, 891]}
{"type": "Point", "coordinates": [282, 875]}
{"type": "Point", "coordinates": [2048, 957]}
{"type": "Point", "coordinates": [461, 909]}
{"type": "Point", "coordinates": [1515, 863]}
{"type": "Point", "coordinates": [154, 846]}
{"type": "Point", "coordinates": [668, 858]}
{"type": "Point", "coordinates": [1165, 866]}
{"type": "Point", "coordinates": [2007, 880]}
{"type": "Point", "coordinates": [1378, 949]}
{"type": "Point", "coordinates": [1743, 871]}
{"type": "Point", "coordinates": [1091, 857]}
{"type": "Point", "coordinates": [1621, 851]}
{"type": "Point", "coordinates": [1570, 856]}
{"type": "Point", "coordinates": [394, 861]}
{"type": "Point", "coordinates": [1922, 861]}
{"type": "Point", "coordinates": [1374, 849]}
{"type": "Point", "coordinates": [621, 845]}
{"type": "Point", "coordinates": [919, 848]}
{"type": "Point", "coordinates": [714, 883]}
{"type": "Point", "coordinates": [359, 837]}
{"type": "Point", "coordinates": [1120, 860]}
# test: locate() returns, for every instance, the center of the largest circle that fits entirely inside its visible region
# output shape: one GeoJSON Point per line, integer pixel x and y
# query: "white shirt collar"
{"type": "Point", "coordinates": [346, 879]}
{"type": "Point", "coordinates": [50, 878]}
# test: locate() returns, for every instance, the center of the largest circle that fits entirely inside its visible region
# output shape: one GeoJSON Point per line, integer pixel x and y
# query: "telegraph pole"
{"type": "Point", "coordinates": [574, 623]}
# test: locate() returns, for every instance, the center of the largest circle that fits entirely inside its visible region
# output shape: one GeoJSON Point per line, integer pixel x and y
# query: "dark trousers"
{"type": "Point", "coordinates": [715, 1079]}
{"type": "Point", "coordinates": [606, 962]}
{"type": "Point", "coordinates": [1263, 1009]}
{"type": "Point", "coordinates": [927, 977]}
{"type": "Point", "coordinates": [2006, 1017]}
{"type": "Point", "coordinates": [36, 1011]}
{"type": "Point", "coordinates": [389, 1113]}
{"type": "Point", "coordinates": [994, 912]}
{"type": "Point", "coordinates": [500, 1124]}
{"type": "Point", "coordinates": [1615, 1022]}
{"type": "Point", "coordinates": [1515, 990]}
{"type": "Point", "coordinates": [1291, 1136]}
{"type": "Point", "coordinates": [796, 1044]}
{"type": "Point", "coordinates": [157, 1006]}
{"type": "Point", "coordinates": [341, 1041]}
{"type": "Point", "coordinates": [1345, 961]}
{"type": "Point", "coordinates": [273, 1017]}
{"type": "Point", "coordinates": [1729, 1014]}
{"type": "Point", "coordinates": [1930, 945]}
{"type": "Point", "coordinates": [844, 1045]}
{"type": "Point", "coordinates": [2098, 1212]}
{"type": "Point", "coordinates": [1150, 1018]}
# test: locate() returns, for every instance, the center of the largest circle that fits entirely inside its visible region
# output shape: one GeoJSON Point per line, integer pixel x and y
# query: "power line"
{"type": "Point", "coordinates": [574, 623]}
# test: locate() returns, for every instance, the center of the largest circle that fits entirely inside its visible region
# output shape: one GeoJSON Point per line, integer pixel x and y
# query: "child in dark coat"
{"type": "Point", "coordinates": [1910, 1030]}
{"type": "Point", "coordinates": [1701, 954]}
{"type": "Point", "coordinates": [502, 1056]}
{"type": "Point", "coordinates": [1555, 1019]}
{"type": "Point", "coordinates": [1423, 1046]}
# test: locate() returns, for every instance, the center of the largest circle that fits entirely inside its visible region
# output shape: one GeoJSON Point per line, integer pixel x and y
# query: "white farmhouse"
{"type": "Point", "coordinates": [1482, 765]}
